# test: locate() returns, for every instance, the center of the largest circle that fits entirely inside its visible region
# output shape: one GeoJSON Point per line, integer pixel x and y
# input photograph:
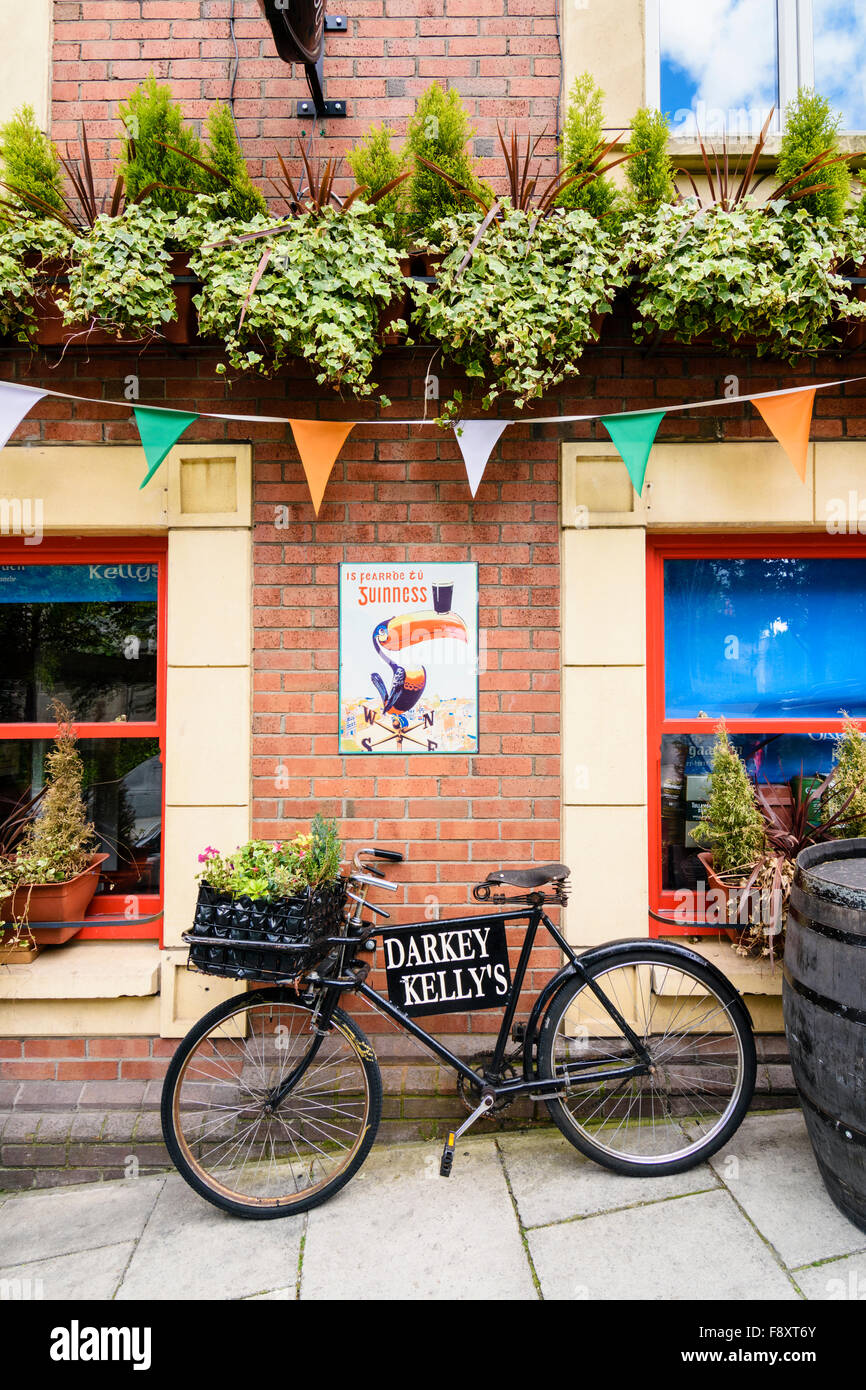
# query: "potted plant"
{"type": "Point", "coordinates": [283, 895]}
{"type": "Point", "coordinates": [755, 833]}
{"type": "Point", "coordinates": [53, 872]}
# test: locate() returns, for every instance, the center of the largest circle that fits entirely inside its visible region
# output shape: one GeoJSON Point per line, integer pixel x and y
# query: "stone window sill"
{"type": "Point", "coordinates": [86, 970]}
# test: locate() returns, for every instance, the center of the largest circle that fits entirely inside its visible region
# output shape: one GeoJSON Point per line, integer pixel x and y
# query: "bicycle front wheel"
{"type": "Point", "coordinates": [263, 1116]}
{"type": "Point", "coordinates": [701, 1074]}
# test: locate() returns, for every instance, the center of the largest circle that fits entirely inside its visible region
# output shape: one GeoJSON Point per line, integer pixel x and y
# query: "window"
{"type": "Point", "coordinates": [86, 624]}
{"type": "Point", "coordinates": [722, 64]}
{"type": "Point", "coordinates": [760, 631]}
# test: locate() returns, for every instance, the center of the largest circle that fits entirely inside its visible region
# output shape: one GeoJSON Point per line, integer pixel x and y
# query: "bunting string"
{"type": "Point", "coordinates": [786, 412]}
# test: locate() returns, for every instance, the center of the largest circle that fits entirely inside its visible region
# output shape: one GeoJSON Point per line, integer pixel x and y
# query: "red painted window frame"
{"type": "Point", "coordinates": [735, 546]}
{"type": "Point", "coordinates": [123, 550]}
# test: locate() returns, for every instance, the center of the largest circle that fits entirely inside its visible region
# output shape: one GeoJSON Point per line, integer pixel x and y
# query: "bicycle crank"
{"type": "Point", "coordinates": [453, 1135]}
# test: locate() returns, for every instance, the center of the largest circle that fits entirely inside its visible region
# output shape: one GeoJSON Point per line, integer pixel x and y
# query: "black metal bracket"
{"type": "Point", "coordinates": [317, 107]}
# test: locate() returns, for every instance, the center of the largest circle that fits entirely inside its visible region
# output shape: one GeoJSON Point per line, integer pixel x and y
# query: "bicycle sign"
{"type": "Point", "coordinates": [463, 965]}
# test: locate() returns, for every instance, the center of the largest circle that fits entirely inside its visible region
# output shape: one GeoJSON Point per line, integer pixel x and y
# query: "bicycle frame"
{"type": "Point", "coordinates": [535, 917]}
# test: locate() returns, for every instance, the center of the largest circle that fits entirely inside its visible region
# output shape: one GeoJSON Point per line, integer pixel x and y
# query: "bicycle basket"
{"type": "Point", "coordinates": [264, 938]}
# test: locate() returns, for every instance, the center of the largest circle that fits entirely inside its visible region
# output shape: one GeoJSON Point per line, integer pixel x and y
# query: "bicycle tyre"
{"type": "Point", "coordinates": [220, 1048]}
{"type": "Point", "coordinates": [677, 1082]}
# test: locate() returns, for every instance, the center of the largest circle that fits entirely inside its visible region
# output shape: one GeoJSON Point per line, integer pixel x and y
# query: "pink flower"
{"type": "Point", "coordinates": [209, 853]}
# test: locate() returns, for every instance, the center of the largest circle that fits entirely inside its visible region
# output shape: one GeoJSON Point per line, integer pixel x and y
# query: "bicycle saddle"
{"type": "Point", "coordinates": [528, 878]}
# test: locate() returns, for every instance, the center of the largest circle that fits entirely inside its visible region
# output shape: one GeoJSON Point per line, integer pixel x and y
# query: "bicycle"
{"type": "Point", "coordinates": [641, 1051]}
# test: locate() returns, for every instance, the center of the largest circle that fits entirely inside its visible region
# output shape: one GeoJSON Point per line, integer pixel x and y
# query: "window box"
{"type": "Point", "coordinates": [53, 332]}
{"type": "Point", "coordinates": [55, 902]}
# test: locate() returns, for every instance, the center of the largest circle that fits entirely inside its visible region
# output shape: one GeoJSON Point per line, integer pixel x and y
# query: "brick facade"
{"type": "Point", "coordinates": [503, 56]}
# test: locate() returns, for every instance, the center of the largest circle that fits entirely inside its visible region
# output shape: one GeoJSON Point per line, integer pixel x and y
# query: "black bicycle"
{"type": "Point", "coordinates": [641, 1050]}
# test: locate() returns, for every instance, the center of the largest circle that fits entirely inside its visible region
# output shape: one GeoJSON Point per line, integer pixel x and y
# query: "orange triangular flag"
{"type": "Point", "coordinates": [789, 417]}
{"type": "Point", "coordinates": [318, 443]}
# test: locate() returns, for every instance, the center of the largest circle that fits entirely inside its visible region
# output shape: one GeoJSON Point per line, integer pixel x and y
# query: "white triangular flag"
{"type": "Point", "coordinates": [477, 440]}
{"type": "Point", "coordinates": [15, 401]}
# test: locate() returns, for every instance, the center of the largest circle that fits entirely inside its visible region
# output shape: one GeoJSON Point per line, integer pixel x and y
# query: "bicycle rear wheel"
{"type": "Point", "coordinates": [241, 1144]}
{"type": "Point", "coordinates": [702, 1052]}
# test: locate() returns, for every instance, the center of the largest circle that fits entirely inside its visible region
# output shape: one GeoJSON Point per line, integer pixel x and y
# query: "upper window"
{"type": "Point", "coordinates": [760, 631]}
{"type": "Point", "coordinates": [83, 623]}
{"type": "Point", "coordinates": [719, 66]}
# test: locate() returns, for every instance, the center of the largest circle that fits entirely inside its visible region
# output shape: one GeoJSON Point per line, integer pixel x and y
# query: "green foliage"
{"type": "Point", "coordinates": [262, 869]}
{"type": "Point", "coordinates": [582, 137]}
{"type": "Point", "coordinates": [151, 115]}
{"type": "Point", "coordinates": [520, 315]}
{"type": "Point", "coordinates": [754, 271]}
{"type": "Point", "coordinates": [439, 131]}
{"type": "Point", "coordinates": [224, 153]}
{"type": "Point", "coordinates": [849, 762]}
{"type": "Point", "coordinates": [731, 822]}
{"type": "Point", "coordinates": [649, 173]}
{"type": "Point", "coordinates": [374, 164]}
{"type": "Point", "coordinates": [25, 243]}
{"type": "Point", "coordinates": [30, 161]}
{"type": "Point", "coordinates": [59, 843]}
{"type": "Point", "coordinates": [811, 129]}
{"type": "Point", "coordinates": [121, 276]}
{"type": "Point", "coordinates": [321, 296]}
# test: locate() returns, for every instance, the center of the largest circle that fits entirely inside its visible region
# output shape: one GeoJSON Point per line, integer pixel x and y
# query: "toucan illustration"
{"type": "Point", "coordinates": [407, 630]}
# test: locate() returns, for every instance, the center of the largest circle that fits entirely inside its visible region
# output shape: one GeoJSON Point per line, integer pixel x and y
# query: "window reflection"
{"type": "Point", "coordinates": [85, 633]}
{"type": "Point", "coordinates": [775, 638]}
{"type": "Point", "coordinates": [123, 791]}
{"type": "Point", "coordinates": [839, 31]}
{"type": "Point", "coordinates": [775, 760]}
{"type": "Point", "coordinates": [719, 65]}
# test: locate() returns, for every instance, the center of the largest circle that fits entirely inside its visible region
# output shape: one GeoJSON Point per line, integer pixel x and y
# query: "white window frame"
{"type": "Point", "coordinates": [795, 51]}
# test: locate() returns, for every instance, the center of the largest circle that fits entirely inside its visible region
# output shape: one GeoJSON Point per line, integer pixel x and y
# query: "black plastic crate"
{"type": "Point", "coordinates": [239, 932]}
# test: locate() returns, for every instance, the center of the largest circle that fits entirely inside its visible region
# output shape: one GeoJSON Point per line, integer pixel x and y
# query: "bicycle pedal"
{"type": "Point", "coordinates": [447, 1160]}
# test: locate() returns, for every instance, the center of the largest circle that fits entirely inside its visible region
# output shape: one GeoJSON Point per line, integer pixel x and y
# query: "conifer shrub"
{"type": "Point", "coordinates": [439, 132]}
{"type": "Point", "coordinates": [153, 120]}
{"type": "Point", "coordinates": [811, 128]}
{"type": "Point", "coordinates": [29, 160]}
{"type": "Point", "coordinates": [849, 762]}
{"type": "Point", "coordinates": [224, 155]}
{"type": "Point", "coordinates": [375, 163]}
{"type": "Point", "coordinates": [649, 174]}
{"type": "Point", "coordinates": [582, 140]}
{"type": "Point", "coordinates": [731, 824]}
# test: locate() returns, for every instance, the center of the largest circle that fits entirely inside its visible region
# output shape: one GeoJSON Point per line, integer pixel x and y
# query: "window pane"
{"type": "Point", "coordinates": [123, 788]}
{"type": "Point", "coordinates": [840, 57]}
{"type": "Point", "coordinates": [686, 761]}
{"type": "Point", "coordinates": [775, 638]}
{"type": "Point", "coordinates": [85, 633]}
{"type": "Point", "coordinates": [719, 65]}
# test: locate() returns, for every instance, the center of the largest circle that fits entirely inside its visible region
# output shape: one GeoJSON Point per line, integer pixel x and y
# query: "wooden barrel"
{"type": "Point", "coordinates": [824, 995]}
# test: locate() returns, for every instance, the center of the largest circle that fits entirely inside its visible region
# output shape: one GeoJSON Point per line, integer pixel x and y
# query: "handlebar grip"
{"type": "Point", "coordinates": [393, 856]}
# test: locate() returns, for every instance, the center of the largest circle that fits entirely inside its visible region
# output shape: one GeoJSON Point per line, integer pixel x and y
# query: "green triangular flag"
{"type": "Point", "coordinates": [159, 430]}
{"type": "Point", "coordinates": [634, 436]}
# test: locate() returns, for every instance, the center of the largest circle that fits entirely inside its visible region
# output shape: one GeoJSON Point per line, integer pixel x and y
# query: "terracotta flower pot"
{"type": "Point", "coordinates": [18, 952]}
{"type": "Point", "coordinates": [399, 308]}
{"type": "Point", "coordinates": [53, 332]}
{"type": "Point", "coordinates": [55, 902]}
{"type": "Point", "coordinates": [720, 886]}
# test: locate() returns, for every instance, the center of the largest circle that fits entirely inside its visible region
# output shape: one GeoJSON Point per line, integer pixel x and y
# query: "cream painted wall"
{"type": "Point", "coordinates": [202, 501]}
{"type": "Point", "coordinates": [25, 57]}
{"type": "Point", "coordinates": [690, 487]}
{"type": "Point", "coordinates": [607, 39]}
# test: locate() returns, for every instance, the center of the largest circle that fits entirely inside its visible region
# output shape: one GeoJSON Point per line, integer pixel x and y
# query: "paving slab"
{"type": "Point", "coordinates": [64, 1220]}
{"type": "Point", "coordinates": [552, 1181]}
{"type": "Point", "coordinates": [688, 1247]}
{"type": "Point", "coordinates": [770, 1169]}
{"type": "Point", "coordinates": [399, 1231]}
{"type": "Point", "coordinates": [88, 1274]}
{"type": "Point", "coordinates": [191, 1249]}
{"type": "Point", "coordinates": [286, 1295]}
{"type": "Point", "coordinates": [837, 1280]}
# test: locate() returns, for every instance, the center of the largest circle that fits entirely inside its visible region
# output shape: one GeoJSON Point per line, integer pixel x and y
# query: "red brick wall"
{"type": "Point", "coordinates": [501, 55]}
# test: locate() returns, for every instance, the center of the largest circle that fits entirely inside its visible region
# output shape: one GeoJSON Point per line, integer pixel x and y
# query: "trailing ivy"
{"type": "Point", "coordinates": [321, 295]}
{"type": "Point", "coordinates": [521, 312]}
{"type": "Point", "coordinates": [120, 278]}
{"type": "Point", "coordinates": [753, 272]}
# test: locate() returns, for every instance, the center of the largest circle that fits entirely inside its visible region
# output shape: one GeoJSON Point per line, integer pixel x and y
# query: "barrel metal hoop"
{"type": "Point", "coordinates": [849, 938]}
{"type": "Point", "coordinates": [831, 1006]}
{"type": "Point", "coordinates": [854, 1136]}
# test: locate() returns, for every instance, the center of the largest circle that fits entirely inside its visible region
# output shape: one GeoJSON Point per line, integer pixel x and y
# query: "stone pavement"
{"type": "Point", "coordinates": [524, 1216]}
